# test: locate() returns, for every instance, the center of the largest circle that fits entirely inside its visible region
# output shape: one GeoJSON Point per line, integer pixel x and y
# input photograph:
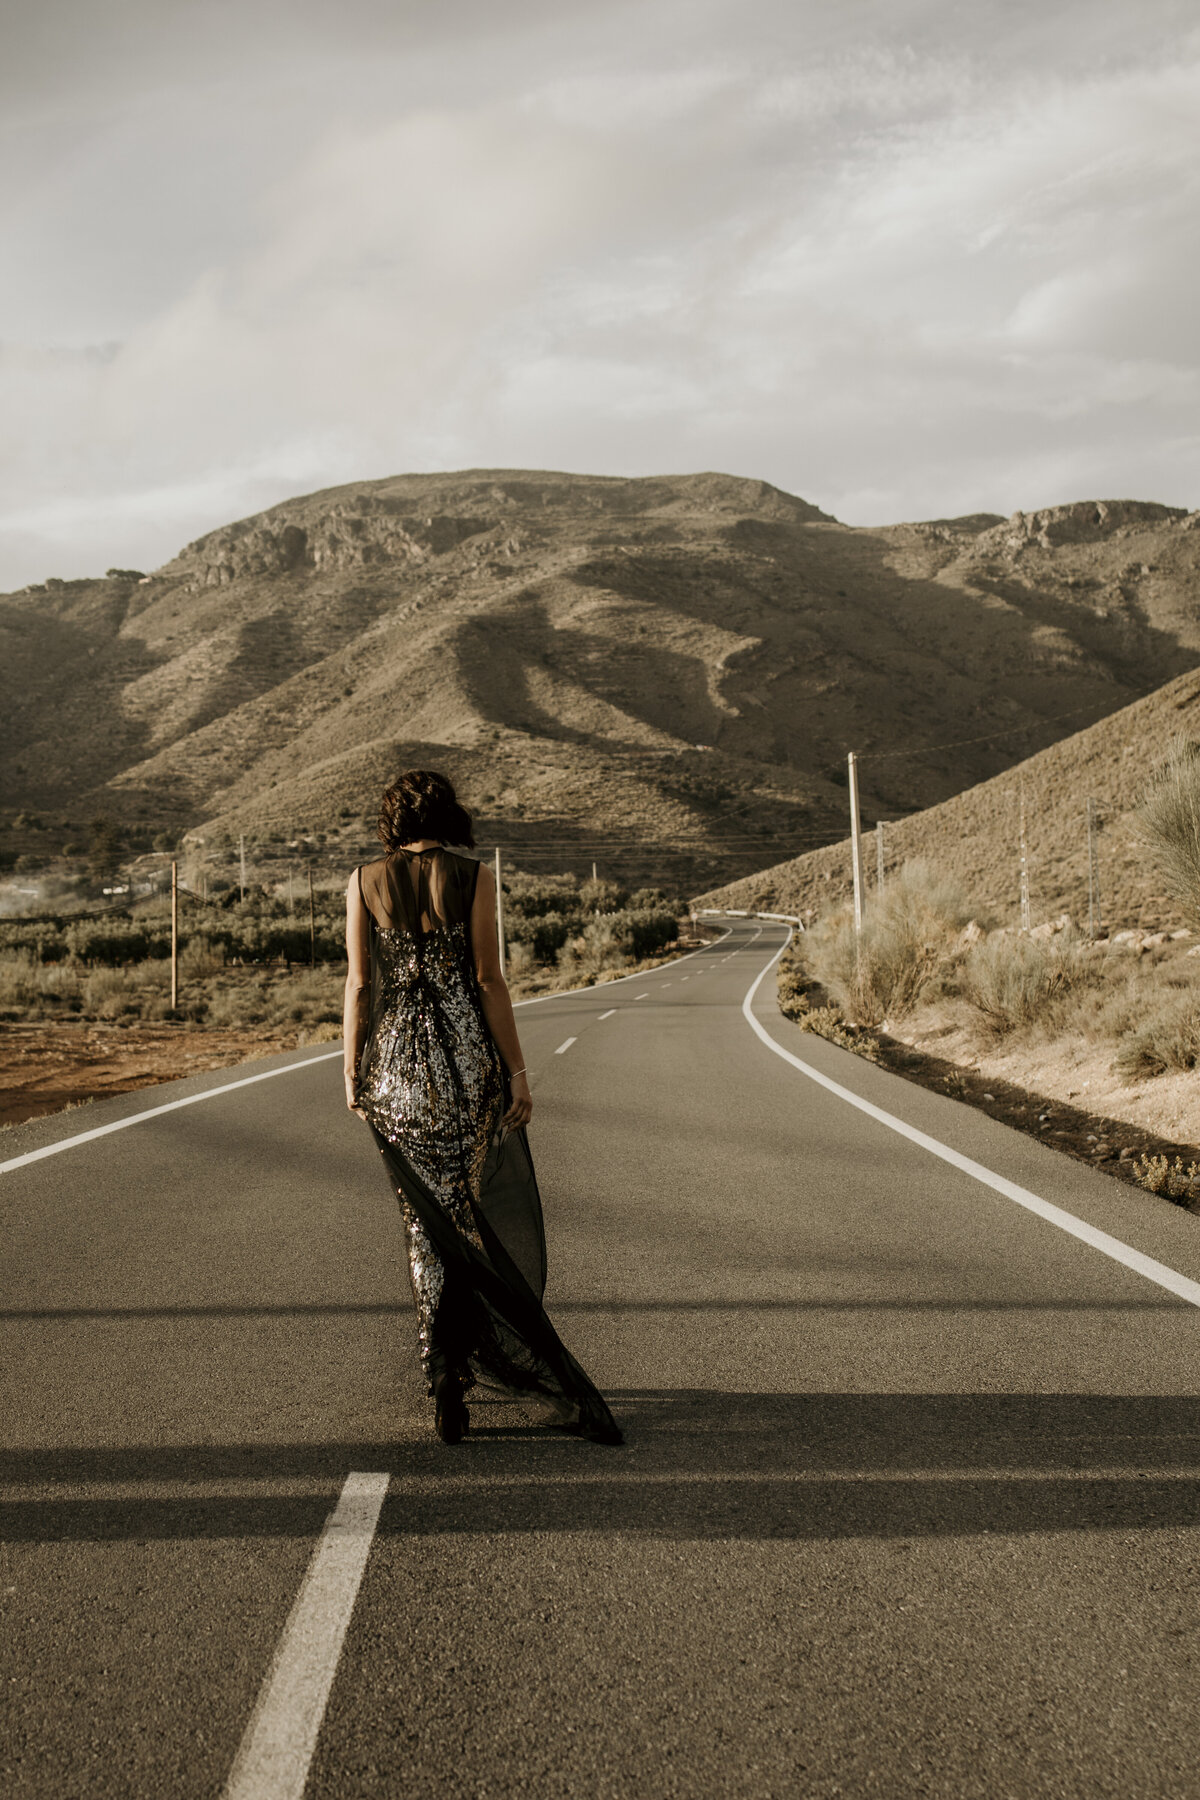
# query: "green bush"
{"type": "Point", "coordinates": [646, 931]}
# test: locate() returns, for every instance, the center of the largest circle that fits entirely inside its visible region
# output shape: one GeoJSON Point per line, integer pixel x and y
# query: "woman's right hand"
{"type": "Point", "coordinates": [521, 1110]}
{"type": "Point", "coordinates": [352, 1096]}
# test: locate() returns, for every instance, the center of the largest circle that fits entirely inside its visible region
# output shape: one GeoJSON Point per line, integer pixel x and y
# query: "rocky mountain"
{"type": "Point", "coordinates": [975, 837]}
{"type": "Point", "coordinates": [661, 674]}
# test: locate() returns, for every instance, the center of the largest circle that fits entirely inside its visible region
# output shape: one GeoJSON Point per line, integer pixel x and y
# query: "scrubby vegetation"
{"type": "Point", "coordinates": [585, 929]}
{"type": "Point", "coordinates": [253, 962]}
{"type": "Point", "coordinates": [908, 932]}
{"type": "Point", "coordinates": [1168, 823]}
{"type": "Point", "coordinates": [922, 952]}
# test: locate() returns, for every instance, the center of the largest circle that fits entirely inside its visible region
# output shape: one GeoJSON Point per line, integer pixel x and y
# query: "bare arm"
{"type": "Point", "coordinates": [358, 989]}
{"type": "Point", "coordinates": [493, 991]}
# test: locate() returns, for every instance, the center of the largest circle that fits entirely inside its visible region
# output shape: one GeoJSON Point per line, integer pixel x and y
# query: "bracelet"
{"type": "Point", "coordinates": [513, 1072]}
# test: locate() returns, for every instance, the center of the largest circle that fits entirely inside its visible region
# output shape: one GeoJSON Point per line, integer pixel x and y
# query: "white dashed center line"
{"type": "Point", "coordinates": [609, 1013]}
{"type": "Point", "coordinates": [641, 996]}
{"type": "Point", "coordinates": [565, 1046]}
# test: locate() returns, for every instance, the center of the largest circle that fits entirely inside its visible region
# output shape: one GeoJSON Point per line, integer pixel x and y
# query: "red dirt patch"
{"type": "Point", "coordinates": [44, 1068]}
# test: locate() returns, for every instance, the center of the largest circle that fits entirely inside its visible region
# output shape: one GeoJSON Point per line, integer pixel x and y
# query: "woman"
{"type": "Point", "coordinates": [434, 1065]}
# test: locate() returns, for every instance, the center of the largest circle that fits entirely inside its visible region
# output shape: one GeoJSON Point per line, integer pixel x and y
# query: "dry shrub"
{"type": "Point", "coordinates": [829, 1023]}
{"type": "Point", "coordinates": [1168, 823]}
{"type": "Point", "coordinates": [141, 991]}
{"type": "Point", "coordinates": [1013, 982]}
{"type": "Point", "coordinates": [908, 936]}
{"type": "Point", "coordinates": [200, 958]}
{"type": "Point", "coordinates": [597, 948]}
{"type": "Point", "coordinates": [521, 960]}
{"type": "Point", "coordinates": [30, 986]}
{"type": "Point", "coordinates": [1167, 1036]}
{"type": "Point", "coordinates": [1158, 1175]}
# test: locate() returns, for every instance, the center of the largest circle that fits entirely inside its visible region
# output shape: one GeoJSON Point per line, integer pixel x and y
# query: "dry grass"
{"type": "Point", "coordinates": [1013, 982]}
{"type": "Point", "coordinates": [1002, 992]}
{"type": "Point", "coordinates": [210, 994]}
{"type": "Point", "coordinates": [1168, 823]}
{"type": "Point", "coordinates": [907, 938]}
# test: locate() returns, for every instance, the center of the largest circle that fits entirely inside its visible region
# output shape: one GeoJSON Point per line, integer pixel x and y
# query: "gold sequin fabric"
{"type": "Point", "coordinates": [431, 1084]}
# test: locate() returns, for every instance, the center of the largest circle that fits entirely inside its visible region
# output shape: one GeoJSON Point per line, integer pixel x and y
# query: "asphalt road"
{"type": "Point", "coordinates": [908, 1504]}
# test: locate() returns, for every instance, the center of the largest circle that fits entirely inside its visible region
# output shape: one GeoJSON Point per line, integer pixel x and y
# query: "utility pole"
{"type": "Point", "coordinates": [312, 924]}
{"type": "Point", "coordinates": [594, 875]}
{"type": "Point", "coordinates": [174, 936]}
{"type": "Point", "coordinates": [879, 855]}
{"type": "Point", "coordinates": [500, 912]}
{"type": "Point", "coordinates": [1093, 871]}
{"type": "Point", "coordinates": [243, 859]}
{"type": "Point", "coordinates": [855, 846]}
{"type": "Point", "coordinates": [1025, 917]}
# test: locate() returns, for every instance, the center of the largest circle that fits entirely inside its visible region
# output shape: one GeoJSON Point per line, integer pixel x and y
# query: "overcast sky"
{"type": "Point", "coordinates": [907, 258]}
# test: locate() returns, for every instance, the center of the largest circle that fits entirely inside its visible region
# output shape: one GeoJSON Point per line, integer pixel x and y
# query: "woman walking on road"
{"type": "Point", "coordinates": [434, 1065]}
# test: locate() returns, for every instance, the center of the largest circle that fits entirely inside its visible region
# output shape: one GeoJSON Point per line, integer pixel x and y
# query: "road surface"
{"type": "Point", "coordinates": [908, 1504]}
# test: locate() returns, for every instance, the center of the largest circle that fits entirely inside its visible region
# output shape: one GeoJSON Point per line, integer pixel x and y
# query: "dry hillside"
{"type": "Point", "coordinates": [661, 673]}
{"type": "Point", "coordinates": [976, 835]}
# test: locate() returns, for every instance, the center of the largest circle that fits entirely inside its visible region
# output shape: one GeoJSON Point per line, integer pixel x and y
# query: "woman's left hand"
{"type": "Point", "coordinates": [352, 1096]}
{"type": "Point", "coordinates": [521, 1110]}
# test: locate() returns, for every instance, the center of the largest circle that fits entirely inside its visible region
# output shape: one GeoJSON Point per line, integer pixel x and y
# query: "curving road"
{"type": "Point", "coordinates": [909, 1504]}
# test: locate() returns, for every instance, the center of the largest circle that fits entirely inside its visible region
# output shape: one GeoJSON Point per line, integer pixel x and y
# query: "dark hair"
{"type": "Point", "coordinates": [422, 804]}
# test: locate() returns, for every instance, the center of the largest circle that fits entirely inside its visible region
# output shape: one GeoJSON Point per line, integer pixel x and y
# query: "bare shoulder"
{"type": "Point", "coordinates": [485, 881]}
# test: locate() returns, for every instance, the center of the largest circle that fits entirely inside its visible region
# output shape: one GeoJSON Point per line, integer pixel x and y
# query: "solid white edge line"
{"type": "Point", "coordinates": [277, 1747]}
{"type": "Point", "coordinates": [639, 975]}
{"type": "Point", "coordinates": [155, 1112]}
{"type": "Point", "coordinates": [566, 1046]}
{"type": "Point", "coordinates": [1159, 1273]}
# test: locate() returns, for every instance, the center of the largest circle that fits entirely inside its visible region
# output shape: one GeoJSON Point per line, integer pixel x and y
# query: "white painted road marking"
{"type": "Point", "coordinates": [1171, 1279]}
{"type": "Point", "coordinates": [276, 1751]}
{"type": "Point", "coordinates": [86, 1137]}
{"type": "Point", "coordinates": [227, 1087]}
{"type": "Point", "coordinates": [609, 1013]}
{"type": "Point", "coordinates": [570, 993]}
{"type": "Point", "coordinates": [565, 1046]}
{"type": "Point", "coordinates": [641, 996]}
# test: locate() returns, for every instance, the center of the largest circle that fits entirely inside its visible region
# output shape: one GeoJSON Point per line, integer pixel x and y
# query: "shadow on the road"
{"type": "Point", "coordinates": [698, 1465]}
{"type": "Point", "coordinates": [611, 1308]}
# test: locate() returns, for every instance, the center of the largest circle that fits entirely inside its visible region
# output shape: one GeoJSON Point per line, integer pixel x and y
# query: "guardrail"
{"type": "Point", "coordinates": [734, 912]}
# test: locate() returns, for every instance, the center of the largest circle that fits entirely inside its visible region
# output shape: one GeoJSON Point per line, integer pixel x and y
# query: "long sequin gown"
{"type": "Point", "coordinates": [434, 1090]}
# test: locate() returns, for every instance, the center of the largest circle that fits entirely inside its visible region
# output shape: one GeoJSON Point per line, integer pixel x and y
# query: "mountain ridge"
{"type": "Point", "coordinates": [664, 672]}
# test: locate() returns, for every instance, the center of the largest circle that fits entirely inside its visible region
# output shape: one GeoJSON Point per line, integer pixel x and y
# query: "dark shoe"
{"type": "Point", "coordinates": [451, 1418]}
{"type": "Point", "coordinates": [602, 1434]}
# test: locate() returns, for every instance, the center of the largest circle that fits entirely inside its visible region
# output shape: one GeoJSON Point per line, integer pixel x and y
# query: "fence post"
{"type": "Point", "coordinates": [879, 855]}
{"type": "Point", "coordinates": [242, 852]}
{"type": "Point", "coordinates": [855, 846]}
{"type": "Point", "coordinates": [174, 935]}
{"type": "Point", "coordinates": [500, 913]}
{"type": "Point", "coordinates": [312, 925]}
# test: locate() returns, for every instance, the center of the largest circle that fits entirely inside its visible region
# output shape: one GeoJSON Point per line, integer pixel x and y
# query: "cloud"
{"type": "Point", "coordinates": [887, 256]}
